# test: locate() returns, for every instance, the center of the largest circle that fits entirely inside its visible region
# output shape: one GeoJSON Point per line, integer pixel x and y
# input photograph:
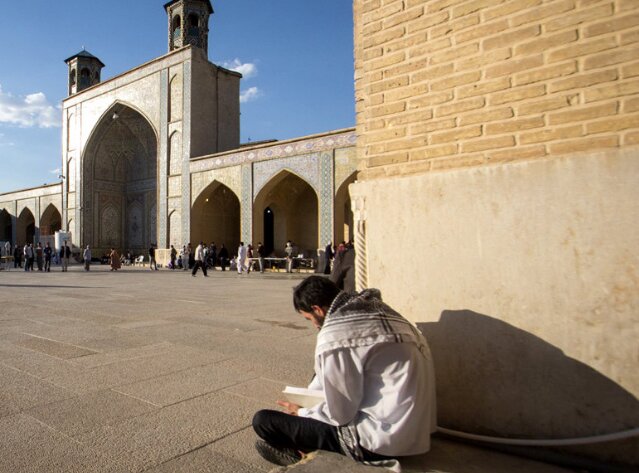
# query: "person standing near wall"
{"type": "Point", "coordinates": [241, 258]}
{"type": "Point", "coordinates": [173, 257]}
{"type": "Point", "coordinates": [38, 255]}
{"type": "Point", "coordinates": [224, 257]}
{"type": "Point", "coordinates": [17, 257]}
{"type": "Point", "coordinates": [153, 266]}
{"type": "Point", "coordinates": [288, 249]}
{"type": "Point", "coordinates": [191, 256]}
{"type": "Point", "coordinates": [47, 258]}
{"type": "Point", "coordinates": [261, 254]}
{"type": "Point", "coordinates": [65, 254]}
{"type": "Point", "coordinates": [328, 255]}
{"type": "Point", "coordinates": [115, 260]}
{"type": "Point", "coordinates": [87, 258]}
{"type": "Point", "coordinates": [26, 251]}
{"type": "Point", "coordinates": [213, 255]}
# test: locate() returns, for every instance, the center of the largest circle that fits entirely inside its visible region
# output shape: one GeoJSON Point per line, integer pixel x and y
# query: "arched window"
{"type": "Point", "coordinates": [177, 27]}
{"type": "Point", "coordinates": [72, 78]}
{"type": "Point", "coordinates": [85, 77]}
{"type": "Point", "coordinates": [194, 25]}
{"type": "Point", "coordinates": [96, 77]}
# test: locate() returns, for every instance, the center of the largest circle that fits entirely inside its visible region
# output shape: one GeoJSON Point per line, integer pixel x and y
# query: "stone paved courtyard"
{"type": "Point", "coordinates": [159, 372]}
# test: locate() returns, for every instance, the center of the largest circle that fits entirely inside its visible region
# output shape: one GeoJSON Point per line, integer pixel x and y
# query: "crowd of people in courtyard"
{"type": "Point", "coordinates": [338, 261]}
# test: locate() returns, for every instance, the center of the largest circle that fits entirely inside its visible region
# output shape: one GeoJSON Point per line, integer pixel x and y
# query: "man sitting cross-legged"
{"type": "Point", "coordinates": [377, 376]}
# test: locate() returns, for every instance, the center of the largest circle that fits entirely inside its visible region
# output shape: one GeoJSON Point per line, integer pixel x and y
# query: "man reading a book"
{"type": "Point", "coordinates": [376, 375]}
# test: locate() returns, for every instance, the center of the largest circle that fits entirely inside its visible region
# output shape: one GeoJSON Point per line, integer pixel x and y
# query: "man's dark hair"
{"type": "Point", "coordinates": [314, 290]}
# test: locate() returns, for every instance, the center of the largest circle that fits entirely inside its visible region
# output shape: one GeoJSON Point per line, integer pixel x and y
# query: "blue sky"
{"type": "Point", "coordinates": [297, 57]}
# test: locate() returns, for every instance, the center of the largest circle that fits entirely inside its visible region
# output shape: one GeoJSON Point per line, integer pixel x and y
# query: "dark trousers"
{"type": "Point", "coordinates": [196, 265]}
{"type": "Point", "coordinates": [299, 433]}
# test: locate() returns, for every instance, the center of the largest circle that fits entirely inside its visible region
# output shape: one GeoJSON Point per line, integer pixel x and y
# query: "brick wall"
{"type": "Point", "coordinates": [451, 83]}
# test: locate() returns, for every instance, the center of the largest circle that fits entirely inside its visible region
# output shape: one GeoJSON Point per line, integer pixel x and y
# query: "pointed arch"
{"type": "Point", "coordinates": [6, 226]}
{"type": "Point", "coordinates": [294, 203]}
{"type": "Point", "coordinates": [26, 225]}
{"type": "Point", "coordinates": [175, 153]}
{"type": "Point", "coordinates": [215, 216]}
{"type": "Point", "coordinates": [342, 212]}
{"type": "Point", "coordinates": [50, 221]}
{"type": "Point", "coordinates": [119, 169]}
{"type": "Point", "coordinates": [175, 229]}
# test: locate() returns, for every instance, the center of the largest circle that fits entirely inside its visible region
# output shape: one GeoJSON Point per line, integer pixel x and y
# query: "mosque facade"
{"type": "Point", "coordinates": [153, 156]}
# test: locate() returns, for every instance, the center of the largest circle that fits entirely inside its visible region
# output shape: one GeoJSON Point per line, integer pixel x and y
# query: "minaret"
{"type": "Point", "coordinates": [189, 23]}
{"type": "Point", "coordinates": [84, 71]}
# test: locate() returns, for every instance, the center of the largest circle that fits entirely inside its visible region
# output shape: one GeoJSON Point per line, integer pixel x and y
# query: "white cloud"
{"type": "Point", "coordinates": [56, 172]}
{"type": "Point", "coordinates": [250, 94]}
{"type": "Point", "coordinates": [29, 111]}
{"type": "Point", "coordinates": [247, 69]}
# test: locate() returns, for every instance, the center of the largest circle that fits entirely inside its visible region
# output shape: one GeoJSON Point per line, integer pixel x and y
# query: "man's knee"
{"type": "Point", "coordinates": [261, 420]}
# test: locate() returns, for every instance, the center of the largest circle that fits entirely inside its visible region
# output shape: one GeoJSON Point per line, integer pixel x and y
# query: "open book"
{"type": "Point", "coordinates": [303, 397]}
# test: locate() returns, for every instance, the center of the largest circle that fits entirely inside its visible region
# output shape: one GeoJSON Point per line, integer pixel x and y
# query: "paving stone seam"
{"type": "Point", "coordinates": [222, 389]}
{"type": "Point", "coordinates": [199, 447]}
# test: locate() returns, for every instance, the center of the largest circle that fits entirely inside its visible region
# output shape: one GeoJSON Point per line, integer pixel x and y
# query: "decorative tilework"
{"type": "Point", "coordinates": [306, 167]}
{"type": "Point", "coordinates": [326, 199]}
{"type": "Point", "coordinates": [230, 177]}
{"type": "Point", "coordinates": [277, 150]}
{"type": "Point", "coordinates": [186, 153]}
{"type": "Point", "coordinates": [247, 203]}
{"type": "Point", "coordinates": [162, 223]}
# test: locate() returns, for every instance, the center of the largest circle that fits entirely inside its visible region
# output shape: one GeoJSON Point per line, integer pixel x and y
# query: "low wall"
{"type": "Point", "coordinates": [525, 279]}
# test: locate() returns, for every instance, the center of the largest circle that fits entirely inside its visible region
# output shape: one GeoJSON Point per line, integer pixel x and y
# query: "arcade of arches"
{"type": "Point", "coordinates": [267, 193]}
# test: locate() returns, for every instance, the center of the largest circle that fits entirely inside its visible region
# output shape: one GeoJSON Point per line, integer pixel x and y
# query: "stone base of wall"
{"type": "Point", "coordinates": [525, 279]}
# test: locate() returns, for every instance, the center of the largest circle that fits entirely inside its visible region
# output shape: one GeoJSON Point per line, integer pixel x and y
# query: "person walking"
{"type": "Point", "coordinates": [38, 255]}
{"type": "Point", "coordinates": [198, 260]}
{"type": "Point", "coordinates": [153, 266]}
{"type": "Point", "coordinates": [87, 258]}
{"type": "Point", "coordinates": [47, 258]}
{"type": "Point", "coordinates": [65, 254]}
{"type": "Point", "coordinates": [241, 258]}
{"type": "Point", "coordinates": [224, 257]}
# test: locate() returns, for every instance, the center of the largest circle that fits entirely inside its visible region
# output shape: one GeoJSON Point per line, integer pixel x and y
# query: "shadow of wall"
{"type": "Point", "coordinates": [497, 380]}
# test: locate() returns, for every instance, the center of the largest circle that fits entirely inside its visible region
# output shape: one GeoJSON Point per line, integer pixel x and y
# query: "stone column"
{"type": "Point", "coordinates": [246, 205]}
{"type": "Point", "coordinates": [14, 223]}
{"type": "Point", "coordinates": [163, 192]}
{"type": "Point", "coordinates": [326, 199]}
{"type": "Point", "coordinates": [358, 204]}
{"type": "Point", "coordinates": [36, 233]}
